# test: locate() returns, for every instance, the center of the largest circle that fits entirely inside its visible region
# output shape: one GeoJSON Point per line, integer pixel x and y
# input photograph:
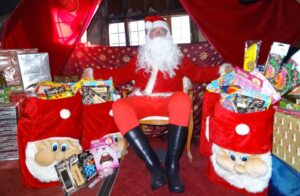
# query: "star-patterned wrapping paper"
{"type": "Point", "coordinates": [286, 136]}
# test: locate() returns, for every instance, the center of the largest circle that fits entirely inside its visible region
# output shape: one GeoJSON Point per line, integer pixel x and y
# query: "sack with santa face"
{"type": "Point", "coordinates": [240, 149]}
{"type": "Point", "coordinates": [48, 132]}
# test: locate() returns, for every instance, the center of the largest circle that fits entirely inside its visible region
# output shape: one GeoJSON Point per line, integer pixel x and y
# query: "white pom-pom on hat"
{"type": "Point", "coordinates": [65, 113]}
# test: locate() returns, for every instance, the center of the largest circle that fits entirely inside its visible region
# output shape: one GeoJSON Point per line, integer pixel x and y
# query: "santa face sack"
{"type": "Point", "coordinates": [48, 132]}
{"type": "Point", "coordinates": [241, 157]}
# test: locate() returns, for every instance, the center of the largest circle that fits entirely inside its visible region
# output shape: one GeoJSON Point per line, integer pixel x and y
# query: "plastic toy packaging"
{"type": "Point", "coordinates": [275, 58]}
{"type": "Point", "coordinates": [87, 161]}
{"type": "Point", "coordinates": [70, 174]}
{"type": "Point", "coordinates": [53, 90]}
{"type": "Point", "coordinates": [289, 75]}
{"type": "Point", "coordinates": [252, 48]}
{"type": "Point", "coordinates": [105, 156]}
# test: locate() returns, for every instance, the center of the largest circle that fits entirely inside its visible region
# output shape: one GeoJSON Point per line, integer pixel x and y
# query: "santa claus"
{"type": "Point", "coordinates": [158, 71]}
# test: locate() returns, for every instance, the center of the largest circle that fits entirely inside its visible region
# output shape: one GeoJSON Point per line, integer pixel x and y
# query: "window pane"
{"type": "Point", "coordinates": [175, 21]}
{"type": "Point", "coordinates": [122, 37]}
{"type": "Point", "coordinates": [113, 28]}
{"type": "Point", "coordinates": [137, 32]}
{"type": "Point", "coordinates": [133, 26]}
{"type": "Point", "coordinates": [141, 25]}
{"type": "Point", "coordinates": [113, 38]}
{"type": "Point", "coordinates": [121, 27]}
{"type": "Point", "coordinates": [181, 29]}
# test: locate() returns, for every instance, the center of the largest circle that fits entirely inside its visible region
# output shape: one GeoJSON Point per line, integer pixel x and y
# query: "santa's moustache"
{"type": "Point", "coordinates": [160, 52]}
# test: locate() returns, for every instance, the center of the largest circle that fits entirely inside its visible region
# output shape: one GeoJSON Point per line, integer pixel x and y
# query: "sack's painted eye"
{"type": "Point", "coordinates": [54, 147]}
{"type": "Point", "coordinates": [244, 157]}
{"type": "Point", "coordinates": [232, 156]}
{"type": "Point", "coordinates": [115, 138]}
{"type": "Point", "coordinates": [64, 147]}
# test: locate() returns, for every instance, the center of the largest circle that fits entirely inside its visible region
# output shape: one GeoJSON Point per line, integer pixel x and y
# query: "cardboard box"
{"type": "Point", "coordinates": [286, 139]}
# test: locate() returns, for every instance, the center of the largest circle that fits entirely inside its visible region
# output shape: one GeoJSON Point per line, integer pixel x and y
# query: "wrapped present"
{"type": "Point", "coordinates": [34, 68]}
{"type": "Point", "coordinates": [10, 65]}
{"type": "Point", "coordinates": [286, 136]}
{"type": "Point", "coordinates": [8, 131]}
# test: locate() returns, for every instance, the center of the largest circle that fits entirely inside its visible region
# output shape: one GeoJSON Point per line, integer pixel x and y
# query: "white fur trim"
{"type": "Point", "coordinates": [252, 185]}
{"type": "Point", "coordinates": [43, 174]}
{"type": "Point", "coordinates": [151, 81]}
{"type": "Point", "coordinates": [111, 113]}
{"type": "Point", "coordinates": [207, 128]}
{"type": "Point", "coordinates": [150, 25]}
{"type": "Point", "coordinates": [160, 23]}
{"type": "Point", "coordinates": [186, 84]}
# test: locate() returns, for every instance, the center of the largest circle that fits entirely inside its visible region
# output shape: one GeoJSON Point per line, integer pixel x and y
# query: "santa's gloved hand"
{"type": "Point", "coordinates": [88, 73]}
{"type": "Point", "coordinates": [225, 68]}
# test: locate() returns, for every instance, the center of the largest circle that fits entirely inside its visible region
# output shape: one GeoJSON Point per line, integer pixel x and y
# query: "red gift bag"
{"type": "Point", "coordinates": [247, 135]}
{"type": "Point", "coordinates": [96, 122]}
{"type": "Point", "coordinates": [209, 102]}
{"type": "Point", "coordinates": [44, 119]}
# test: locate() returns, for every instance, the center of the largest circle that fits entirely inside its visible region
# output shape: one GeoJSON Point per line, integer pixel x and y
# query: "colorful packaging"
{"type": "Point", "coordinates": [53, 90]}
{"type": "Point", "coordinates": [70, 174]}
{"type": "Point", "coordinates": [288, 76]}
{"type": "Point", "coordinates": [87, 161]}
{"type": "Point", "coordinates": [275, 58]}
{"type": "Point", "coordinates": [267, 87]}
{"type": "Point", "coordinates": [105, 155]}
{"type": "Point", "coordinates": [224, 80]}
{"type": "Point", "coordinates": [251, 55]}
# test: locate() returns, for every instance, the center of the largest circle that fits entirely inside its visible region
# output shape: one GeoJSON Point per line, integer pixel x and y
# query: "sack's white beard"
{"type": "Point", "coordinates": [244, 181]}
{"type": "Point", "coordinates": [43, 174]}
{"type": "Point", "coordinates": [160, 52]}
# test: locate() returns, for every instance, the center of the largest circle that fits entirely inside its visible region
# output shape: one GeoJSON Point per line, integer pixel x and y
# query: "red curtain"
{"type": "Point", "coordinates": [228, 24]}
{"type": "Point", "coordinates": [53, 26]}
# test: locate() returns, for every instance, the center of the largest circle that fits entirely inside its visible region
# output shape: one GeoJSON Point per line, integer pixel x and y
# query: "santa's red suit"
{"type": "Point", "coordinates": [153, 90]}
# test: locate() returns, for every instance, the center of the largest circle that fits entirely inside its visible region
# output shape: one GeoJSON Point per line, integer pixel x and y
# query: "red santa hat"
{"type": "Point", "coordinates": [248, 133]}
{"type": "Point", "coordinates": [155, 21]}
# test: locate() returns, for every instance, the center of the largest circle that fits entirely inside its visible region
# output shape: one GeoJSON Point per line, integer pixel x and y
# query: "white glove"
{"type": "Point", "coordinates": [88, 73]}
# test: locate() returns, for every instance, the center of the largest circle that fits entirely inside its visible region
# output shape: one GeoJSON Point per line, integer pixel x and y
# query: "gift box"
{"type": "Point", "coordinates": [8, 132]}
{"type": "Point", "coordinates": [34, 68]}
{"type": "Point", "coordinates": [10, 65]}
{"type": "Point", "coordinates": [286, 136]}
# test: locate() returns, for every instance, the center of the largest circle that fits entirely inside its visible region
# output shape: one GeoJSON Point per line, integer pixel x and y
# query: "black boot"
{"type": "Point", "coordinates": [138, 141]}
{"type": "Point", "coordinates": [176, 141]}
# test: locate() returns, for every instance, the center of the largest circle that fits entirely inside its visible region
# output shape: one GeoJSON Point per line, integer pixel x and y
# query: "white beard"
{"type": "Point", "coordinates": [43, 174]}
{"type": "Point", "coordinates": [251, 184]}
{"type": "Point", "coordinates": [160, 52]}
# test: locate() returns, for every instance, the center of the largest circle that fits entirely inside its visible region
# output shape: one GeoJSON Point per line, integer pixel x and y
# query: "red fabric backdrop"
{"type": "Point", "coordinates": [228, 24]}
{"type": "Point", "coordinates": [52, 26]}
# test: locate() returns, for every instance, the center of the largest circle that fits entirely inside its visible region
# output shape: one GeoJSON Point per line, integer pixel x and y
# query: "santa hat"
{"type": "Point", "coordinates": [54, 118]}
{"type": "Point", "coordinates": [156, 21]}
{"type": "Point", "coordinates": [248, 133]}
